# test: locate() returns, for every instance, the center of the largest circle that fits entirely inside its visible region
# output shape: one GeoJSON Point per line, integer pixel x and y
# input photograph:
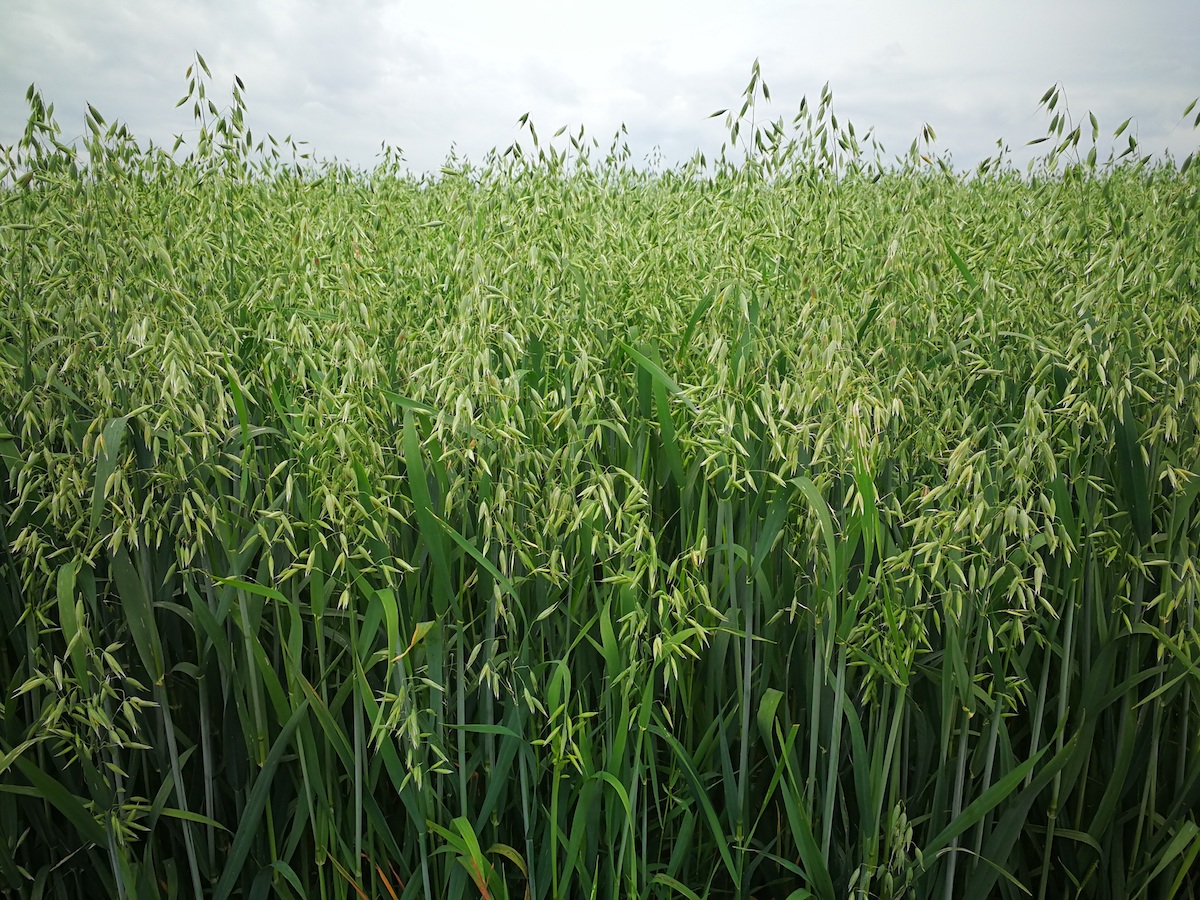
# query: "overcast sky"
{"type": "Point", "coordinates": [427, 76]}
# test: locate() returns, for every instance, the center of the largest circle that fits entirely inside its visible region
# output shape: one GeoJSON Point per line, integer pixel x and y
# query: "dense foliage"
{"type": "Point", "coordinates": [782, 526]}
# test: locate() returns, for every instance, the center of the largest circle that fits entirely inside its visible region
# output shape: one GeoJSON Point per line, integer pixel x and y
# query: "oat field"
{"type": "Point", "coordinates": [807, 522]}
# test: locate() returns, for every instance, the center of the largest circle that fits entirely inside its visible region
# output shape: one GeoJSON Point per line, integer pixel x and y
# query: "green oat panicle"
{"type": "Point", "coordinates": [799, 523]}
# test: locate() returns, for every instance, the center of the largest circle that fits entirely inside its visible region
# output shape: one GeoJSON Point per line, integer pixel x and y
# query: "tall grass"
{"type": "Point", "coordinates": [791, 524]}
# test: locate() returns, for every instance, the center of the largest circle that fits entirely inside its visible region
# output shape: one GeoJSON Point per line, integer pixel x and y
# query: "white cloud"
{"type": "Point", "coordinates": [346, 76]}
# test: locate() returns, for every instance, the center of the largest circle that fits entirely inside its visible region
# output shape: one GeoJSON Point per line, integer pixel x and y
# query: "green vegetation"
{"type": "Point", "coordinates": [795, 524]}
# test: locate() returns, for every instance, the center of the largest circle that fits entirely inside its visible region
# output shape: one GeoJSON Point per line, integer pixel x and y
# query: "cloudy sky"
{"type": "Point", "coordinates": [430, 76]}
